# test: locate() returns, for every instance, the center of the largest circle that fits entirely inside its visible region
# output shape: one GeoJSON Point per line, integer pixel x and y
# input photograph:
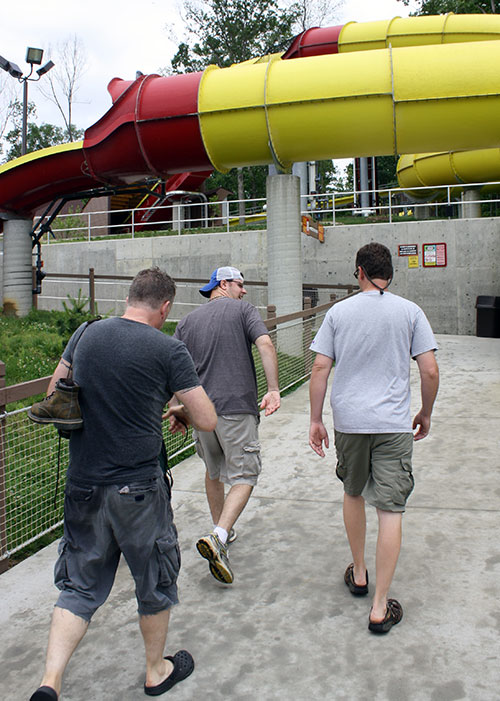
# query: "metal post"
{"type": "Point", "coordinates": [25, 116]}
{"type": "Point", "coordinates": [333, 208]}
{"type": "Point", "coordinates": [91, 291]}
{"type": "Point", "coordinates": [133, 223]}
{"type": "Point", "coordinates": [89, 229]}
{"type": "Point", "coordinates": [34, 296]}
{"type": "Point", "coordinates": [307, 336]}
{"type": "Point", "coordinates": [4, 562]}
{"type": "Point", "coordinates": [390, 207]}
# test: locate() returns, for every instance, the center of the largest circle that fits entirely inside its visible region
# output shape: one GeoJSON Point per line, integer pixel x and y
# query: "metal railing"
{"type": "Point", "coordinates": [388, 204]}
{"type": "Point", "coordinates": [30, 506]}
{"type": "Point", "coordinates": [94, 286]}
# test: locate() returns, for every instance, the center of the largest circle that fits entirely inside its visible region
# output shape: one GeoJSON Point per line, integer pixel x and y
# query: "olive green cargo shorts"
{"type": "Point", "coordinates": [376, 466]}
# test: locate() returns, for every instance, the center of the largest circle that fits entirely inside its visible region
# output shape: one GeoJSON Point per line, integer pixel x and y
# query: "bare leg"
{"type": "Point", "coordinates": [66, 631]}
{"type": "Point", "coordinates": [215, 496]}
{"type": "Point", "coordinates": [388, 547]}
{"type": "Point", "coordinates": [355, 526]}
{"type": "Point", "coordinates": [154, 632]}
{"type": "Point", "coordinates": [235, 502]}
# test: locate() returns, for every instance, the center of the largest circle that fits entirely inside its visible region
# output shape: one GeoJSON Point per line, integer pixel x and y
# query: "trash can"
{"type": "Point", "coordinates": [488, 316]}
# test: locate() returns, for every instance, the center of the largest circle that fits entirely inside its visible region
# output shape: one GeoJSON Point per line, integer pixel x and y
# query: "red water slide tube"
{"type": "Point", "coordinates": [152, 129]}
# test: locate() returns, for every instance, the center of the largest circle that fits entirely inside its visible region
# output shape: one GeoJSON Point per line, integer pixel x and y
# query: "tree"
{"type": "Point", "coordinates": [316, 13]}
{"type": "Point", "coordinates": [224, 32]}
{"type": "Point", "coordinates": [386, 171]}
{"type": "Point", "coordinates": [254, 181]}
{"type": "Point", "coordinates": [6, 104]}
{"type": "Point", "coordinates": [38, 136]}
{"type": "Point", "coordinates": [460, 7]}
{"type": "Point", "coordinates": [62, 83]}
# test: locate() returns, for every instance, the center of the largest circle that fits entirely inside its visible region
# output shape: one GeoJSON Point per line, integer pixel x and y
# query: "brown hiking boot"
{"type": "Point", "coordinates": [61, 408]}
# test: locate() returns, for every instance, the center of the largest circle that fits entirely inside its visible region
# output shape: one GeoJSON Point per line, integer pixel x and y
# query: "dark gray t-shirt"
{"type": "Point", "coordinates": [127, 372]}
{"type": "Point", "coordinates": [219, 336]}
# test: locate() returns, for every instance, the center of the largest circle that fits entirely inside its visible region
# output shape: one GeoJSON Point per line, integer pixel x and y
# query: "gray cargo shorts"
{"type": "Point", "coordinates": [100, 523]}
{"type": "Point", "coordinates": [231, 453]}
{"type": "Point", "coordinates": [376, 466]}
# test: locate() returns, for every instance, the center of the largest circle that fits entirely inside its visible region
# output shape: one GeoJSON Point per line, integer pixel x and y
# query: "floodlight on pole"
{"type": "Point", "coordinates": [46, 68]}
{"type": "Point", "coordinates": [34, 58]}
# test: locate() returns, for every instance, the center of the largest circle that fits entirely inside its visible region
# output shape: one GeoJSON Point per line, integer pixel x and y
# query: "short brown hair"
{"type": "Point", "coordinates": [376, 261]}
{"type": "Point", "coordinates": [152, 287]}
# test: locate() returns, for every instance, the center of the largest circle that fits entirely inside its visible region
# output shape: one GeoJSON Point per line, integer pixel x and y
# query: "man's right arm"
{"type": "Point", "coordinates": [429, 383]}
{"type": "Point", "coordinates": [317, 390]}
{"type": "Point", "coordinates": [61, 371]}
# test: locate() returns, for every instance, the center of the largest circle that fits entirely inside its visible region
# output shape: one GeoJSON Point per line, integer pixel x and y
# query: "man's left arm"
{"type": "Point", "coordinates": [429, 383]}
{"type": "Point", "coordinates": [271, 400]}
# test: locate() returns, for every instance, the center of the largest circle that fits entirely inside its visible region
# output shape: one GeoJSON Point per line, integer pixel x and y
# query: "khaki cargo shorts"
{"type": "Point", "coordinates": [231, 453]}
{"type": "Point", "coordinates": [376, 466]}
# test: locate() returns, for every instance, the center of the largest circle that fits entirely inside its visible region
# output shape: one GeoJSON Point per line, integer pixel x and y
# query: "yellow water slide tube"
{"type": "Point", "coordinates": [424, 84]}
{"type": "Point", "coordinates": [436, 168]}
{"type": "Point", "coordinates": [362, 103]}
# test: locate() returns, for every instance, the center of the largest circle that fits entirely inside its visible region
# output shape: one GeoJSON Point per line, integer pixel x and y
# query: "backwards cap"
{"type": "Point", "coordinates": [225, 273]}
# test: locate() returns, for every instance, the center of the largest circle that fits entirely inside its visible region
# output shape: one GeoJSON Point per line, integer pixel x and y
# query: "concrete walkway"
{"type": "Point", "coordinates": [288, 627]}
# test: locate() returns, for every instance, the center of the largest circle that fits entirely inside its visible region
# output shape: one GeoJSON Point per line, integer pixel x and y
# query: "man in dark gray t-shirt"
{"type": "Point", "coordinates": [116, 499]}
{"type": "Point", "coordinates": [219, 335]}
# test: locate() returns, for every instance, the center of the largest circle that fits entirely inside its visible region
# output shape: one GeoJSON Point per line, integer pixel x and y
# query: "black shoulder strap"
{"type": "Point", "coordinates": [83, 329]}
{"type": "Point", "coordinates": [167, 474]}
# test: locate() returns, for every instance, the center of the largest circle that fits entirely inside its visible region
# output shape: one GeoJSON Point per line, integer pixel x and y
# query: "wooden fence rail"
{"type": "Point", "coordinates": [92, 277]}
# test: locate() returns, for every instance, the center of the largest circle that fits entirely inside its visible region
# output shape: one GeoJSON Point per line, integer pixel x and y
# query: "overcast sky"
{"type": "Point", "coordinates": [119, 36]}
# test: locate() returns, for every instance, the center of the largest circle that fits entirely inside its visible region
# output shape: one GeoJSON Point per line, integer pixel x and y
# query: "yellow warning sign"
{"type": "Point", "coordinates": [413, 261]}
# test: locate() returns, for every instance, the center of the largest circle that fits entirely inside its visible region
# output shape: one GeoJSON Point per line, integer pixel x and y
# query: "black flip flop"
{"type": "Point", "coordinates": [393, 615]}
{"type": "Point", "coordinates": [183, 666]}
{"type": "Point", "coordinates": [44, 693]}
{"type": "Point", "coordinates": [355, 589]}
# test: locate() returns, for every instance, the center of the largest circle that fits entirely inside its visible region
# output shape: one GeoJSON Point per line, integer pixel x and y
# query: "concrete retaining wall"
{"type": "Point", "coordinates": [447, 294]}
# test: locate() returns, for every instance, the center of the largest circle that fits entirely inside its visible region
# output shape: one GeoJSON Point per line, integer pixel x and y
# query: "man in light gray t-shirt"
{"type": "Point", "coordinates": [372, 337]}
{"type": "Point", "coordinates": [219, 336]}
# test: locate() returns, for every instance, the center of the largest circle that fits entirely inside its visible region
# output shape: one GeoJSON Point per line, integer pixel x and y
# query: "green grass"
{"type": "Point", "coordinates": [30, 347]}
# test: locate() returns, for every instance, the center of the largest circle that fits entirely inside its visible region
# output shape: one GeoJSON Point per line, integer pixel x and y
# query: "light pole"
{"type": "Point", "coordinates": [34, 58]}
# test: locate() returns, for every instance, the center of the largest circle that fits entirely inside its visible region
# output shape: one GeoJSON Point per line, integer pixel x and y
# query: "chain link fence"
{"type": "Point", "coordinates": [33, 458]}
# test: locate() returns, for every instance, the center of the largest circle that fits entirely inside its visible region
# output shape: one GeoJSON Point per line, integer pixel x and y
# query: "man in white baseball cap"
{"type": "Point", "coordinates": [227, 273]}
{"type": "Point", "coordinates": [219, 336]}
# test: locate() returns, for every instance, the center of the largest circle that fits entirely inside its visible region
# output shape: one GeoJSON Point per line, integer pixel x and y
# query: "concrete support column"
{"type": "Point", "coordinates": [363, 179]}
{"type": "Point", "coordinates": [471, 206]}
{"type": "Point", "coordinates": [284, 255]}
{"type": "Point", "coordinates": [17, 265]}
{"type": "Point", "coordinates": [300, 170]}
